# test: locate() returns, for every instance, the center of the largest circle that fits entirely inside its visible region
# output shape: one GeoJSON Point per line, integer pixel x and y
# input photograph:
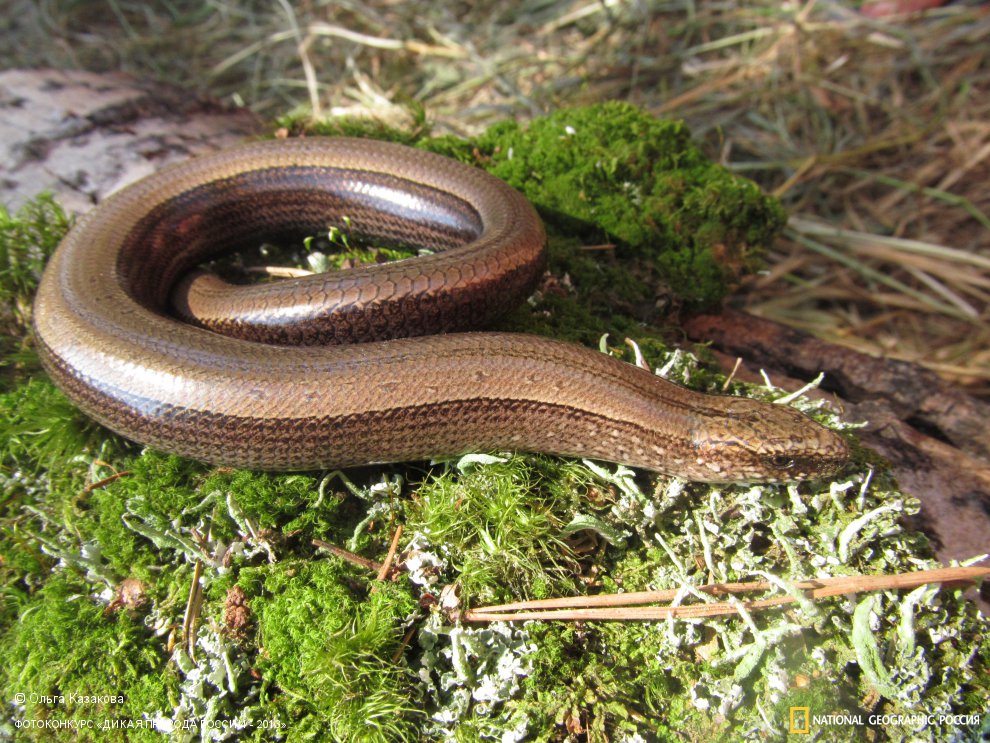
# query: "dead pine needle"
{"type": "Point", "coordinates": [728, 379]}
{"type": "Point", "coordinates": [194, 606]}
{"type": "Point", "coordinates": [381, 569]}
{"type": "Point", "coordinates": [628, 606]}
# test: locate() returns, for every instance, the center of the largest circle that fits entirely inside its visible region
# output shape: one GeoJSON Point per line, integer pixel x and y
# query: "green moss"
{"type": "Point", "coordinates": [26, 240]}
{"type": "Point", "coordinates": [613, 173]}
{"type": "Point", "coordinates": [40, 428]}
{"type": "Point", "coordinates": [331, 649]}
{"type": "Point", "coordinates": [65, 646]}
{"type": "Point", "coordinates": [301, 122]}
{"type": "Point", "coordinates": [160, 510]}
{"type": "Point", "coordinates": [603, 685]}
{"type": "Point", "coordinates": [503, 521]}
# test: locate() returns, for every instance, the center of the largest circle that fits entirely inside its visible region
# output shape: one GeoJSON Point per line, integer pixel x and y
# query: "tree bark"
{"type": "Point", "coordinates": [82, 135]}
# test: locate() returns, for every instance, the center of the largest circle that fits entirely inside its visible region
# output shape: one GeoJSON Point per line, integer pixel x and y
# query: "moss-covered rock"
{"type": "Point", "coordinates": [614, 173]}
{"type": "Point", "coordinates": [248, 627]}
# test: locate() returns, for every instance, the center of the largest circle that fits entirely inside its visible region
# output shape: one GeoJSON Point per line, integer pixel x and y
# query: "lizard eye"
{"type": "Point", "coordinates": [782, 461]}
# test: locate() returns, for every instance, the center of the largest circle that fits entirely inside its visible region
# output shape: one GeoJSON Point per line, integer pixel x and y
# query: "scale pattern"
{"type": "Point", "coordinates": [361, 366]}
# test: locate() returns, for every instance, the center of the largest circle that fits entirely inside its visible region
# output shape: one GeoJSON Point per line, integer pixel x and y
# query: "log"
{"type": "Point", "coordinates": [82, 135]}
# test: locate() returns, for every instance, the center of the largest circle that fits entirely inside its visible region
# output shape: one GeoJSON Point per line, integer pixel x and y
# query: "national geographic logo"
{"type": "Point", "coordinates": [800, 720]}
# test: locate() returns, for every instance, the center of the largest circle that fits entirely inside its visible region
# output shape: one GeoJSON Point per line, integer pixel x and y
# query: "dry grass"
{"type": "Point", "coordinates": [874, 132]}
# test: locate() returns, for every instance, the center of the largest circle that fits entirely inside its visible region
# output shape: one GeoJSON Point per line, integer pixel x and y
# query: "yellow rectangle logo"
{"type": "Point", "coordinates": [800, 721]}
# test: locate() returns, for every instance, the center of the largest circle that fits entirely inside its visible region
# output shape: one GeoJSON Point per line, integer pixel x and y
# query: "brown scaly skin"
{"type": "Point", "coordinates": [106, 338]}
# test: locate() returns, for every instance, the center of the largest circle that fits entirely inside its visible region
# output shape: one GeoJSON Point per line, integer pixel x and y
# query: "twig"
{"type": "Point", "coordinates": [381, 568]}
{"type": "Point", "coordinates": [282, 272]}
{"type": "Point", "coordinates": [387, 565]}
{"type": "Point", "coordinates": [404, 644]}
{"type": "Point", "coordinates": [105, 481]}
{"type": "Point", "coordinates": [340, 552]}
{"type": "Point", "coordinates": [449, 49]}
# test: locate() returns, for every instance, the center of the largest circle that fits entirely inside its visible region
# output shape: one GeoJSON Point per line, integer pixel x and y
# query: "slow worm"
{"type": "Point", "coordinates": [228, 389]}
